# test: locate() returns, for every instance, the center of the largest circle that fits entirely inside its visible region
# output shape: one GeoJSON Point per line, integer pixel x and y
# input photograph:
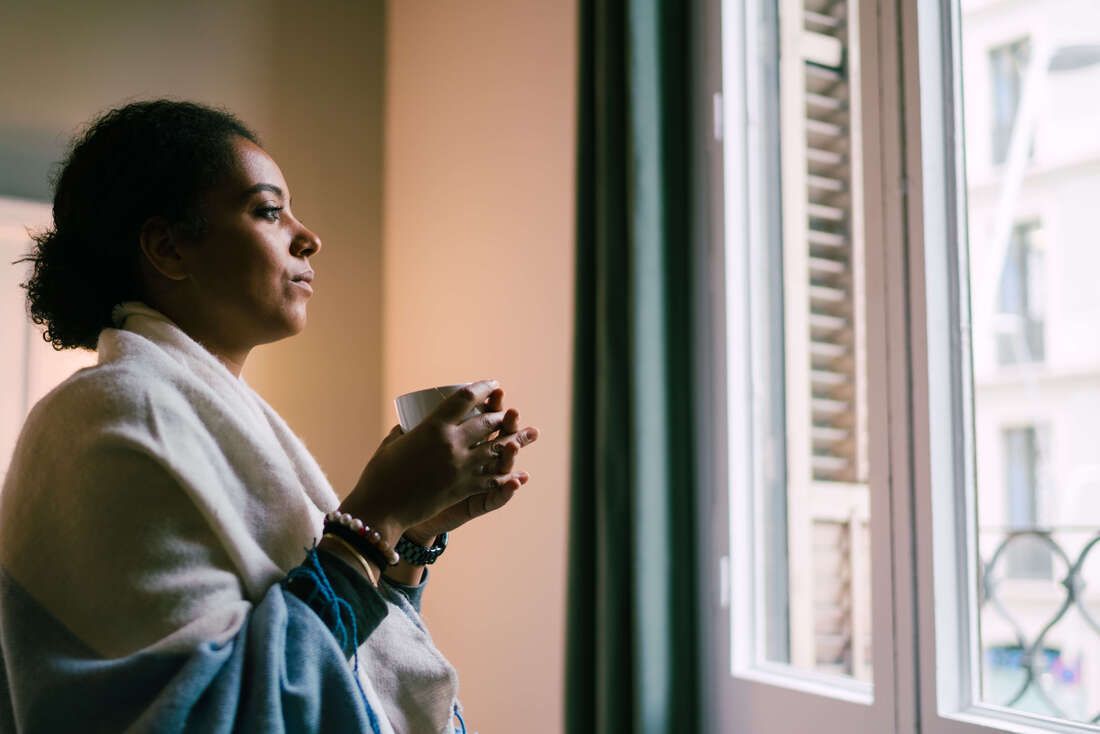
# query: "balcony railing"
{"type": "Point", "coordinates": [1015, 565]}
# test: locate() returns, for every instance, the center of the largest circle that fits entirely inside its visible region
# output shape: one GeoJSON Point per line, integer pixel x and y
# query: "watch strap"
{"type": "Point", "coordinates": [418, 555]}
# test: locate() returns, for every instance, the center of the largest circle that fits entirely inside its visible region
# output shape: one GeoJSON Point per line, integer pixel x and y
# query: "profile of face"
{"type": "Point", "coordinates": [240, 284]}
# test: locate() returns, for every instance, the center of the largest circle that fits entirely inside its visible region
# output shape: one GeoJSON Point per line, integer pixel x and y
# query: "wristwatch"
{"type": "Point", "coordinates": [418, 555]}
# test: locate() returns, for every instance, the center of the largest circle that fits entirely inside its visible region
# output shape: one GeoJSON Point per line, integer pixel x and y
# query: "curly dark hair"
{"type": "Point", "coordinates": [145, 159]}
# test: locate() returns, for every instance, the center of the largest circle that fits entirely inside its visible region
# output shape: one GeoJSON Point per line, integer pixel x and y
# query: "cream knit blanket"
{"type": "Point", "coordinates": [155, 498]}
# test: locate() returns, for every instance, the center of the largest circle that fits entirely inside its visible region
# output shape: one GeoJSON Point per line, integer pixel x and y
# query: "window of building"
{"type": "Point", "coordinates": [1026, 555]}
{"type": "Point", "coordinates": [1020, 321]}
{"type": "Point", "coordinates": [1007, 64]}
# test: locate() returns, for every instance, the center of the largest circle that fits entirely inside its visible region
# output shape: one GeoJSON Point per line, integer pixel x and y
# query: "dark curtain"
{"type": "Point", "coordinates": [631, 660]}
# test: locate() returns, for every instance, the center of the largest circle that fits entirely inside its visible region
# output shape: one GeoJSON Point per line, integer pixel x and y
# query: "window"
{"type": "Point", "coordinates": [1007, 64]}
{"type": "Point", "coordinates": [1020, 320]}
{"type": "Point", "coordinates": [800, 540]}
{"type": "Point", "coordinates": [1025, 555]}
{"type": "Point", "coordinates": [1027, 635]}
{"type": "Point", "coordinates": [906, 505]}
{"type": "Point", "coordinates": [29, 367]}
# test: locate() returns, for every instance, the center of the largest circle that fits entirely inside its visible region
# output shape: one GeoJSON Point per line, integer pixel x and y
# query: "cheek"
{"type": "Point", "coordinates": [233, 268]}
{"type": "Point", "coordinates": [250, 270]}
{"type": "Point", "coordinates": [274, 288]}
{"type": "Point", "coordinates": [262, 277]}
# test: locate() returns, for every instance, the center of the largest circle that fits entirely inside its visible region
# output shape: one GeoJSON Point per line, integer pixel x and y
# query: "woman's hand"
{"type": "Point", "coordinates": [500, 463]}
{"type": "Point", "coordinates": [416, 476]}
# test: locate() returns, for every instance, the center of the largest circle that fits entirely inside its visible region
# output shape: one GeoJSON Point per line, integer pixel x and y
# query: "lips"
{"type": "Point", "coordinates": [303, 280]}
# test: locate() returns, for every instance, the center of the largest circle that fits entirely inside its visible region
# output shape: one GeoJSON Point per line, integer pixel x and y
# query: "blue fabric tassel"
{"type": "Point", "coordinates": [337, 615]}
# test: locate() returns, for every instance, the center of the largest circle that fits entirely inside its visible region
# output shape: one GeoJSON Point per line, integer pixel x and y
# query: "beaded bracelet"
{"type": "Point", "coordinates": [360, 544]}
{"type": "Point", "coordinates": [363, 538]}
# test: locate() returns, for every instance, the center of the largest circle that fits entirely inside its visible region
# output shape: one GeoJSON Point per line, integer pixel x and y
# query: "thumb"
{"type": "Point", "coordinates": [486, 502]}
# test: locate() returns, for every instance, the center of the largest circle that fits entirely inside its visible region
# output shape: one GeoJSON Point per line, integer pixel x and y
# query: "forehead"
{"type": "Point", "coordinates": [254, 166]}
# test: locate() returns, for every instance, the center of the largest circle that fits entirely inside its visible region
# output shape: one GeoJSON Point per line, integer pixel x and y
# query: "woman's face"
{"type": "Point", "coordinates": [245, 272]}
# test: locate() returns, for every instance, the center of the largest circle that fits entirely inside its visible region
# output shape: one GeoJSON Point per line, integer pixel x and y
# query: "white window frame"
{"type": "Point", "coordinates": [749, 695]}
{"type": "Point", "coordinates": [921, 457]}
{"type": "Point", "coordinates": [942, 483]}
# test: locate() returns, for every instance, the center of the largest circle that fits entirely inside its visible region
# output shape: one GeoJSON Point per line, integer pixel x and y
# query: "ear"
{"type": "Point", "coordinates": [161, 244]}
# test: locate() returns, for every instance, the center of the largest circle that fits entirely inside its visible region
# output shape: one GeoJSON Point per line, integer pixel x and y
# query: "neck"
{"type": "Point", "coordinates": [232, 357]}
{"type": "Point", "coordinates": [234, 362]}
{"type": "Point", "coordinates": [204, 331]}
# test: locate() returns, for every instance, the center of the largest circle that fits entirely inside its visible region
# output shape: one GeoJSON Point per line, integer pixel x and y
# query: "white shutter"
{"type": "Point", "coordinates": [827, 498]}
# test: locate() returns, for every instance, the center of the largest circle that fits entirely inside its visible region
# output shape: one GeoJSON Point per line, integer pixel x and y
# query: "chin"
{"type": "Point", "coordinates": [296, 324]}
{"type": "Point", "coordinates": [290, 323]}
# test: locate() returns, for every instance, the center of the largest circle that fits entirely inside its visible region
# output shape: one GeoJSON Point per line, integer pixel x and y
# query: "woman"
{"type": "Point", "coordinates": [159, 521]}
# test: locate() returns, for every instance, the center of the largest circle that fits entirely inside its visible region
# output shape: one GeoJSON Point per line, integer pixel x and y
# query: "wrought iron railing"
{"type": "Point", "coordinates": [1070, 585]}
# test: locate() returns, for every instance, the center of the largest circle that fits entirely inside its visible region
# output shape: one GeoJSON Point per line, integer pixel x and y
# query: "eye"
{"type": "Point", "coordinates": [270, 213]}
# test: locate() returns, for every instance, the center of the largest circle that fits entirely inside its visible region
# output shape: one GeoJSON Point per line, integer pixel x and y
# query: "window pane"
{"type": "Point", "coordinates": [807, 351]}
{"type": "Point", "coordinates": [1030, 69]}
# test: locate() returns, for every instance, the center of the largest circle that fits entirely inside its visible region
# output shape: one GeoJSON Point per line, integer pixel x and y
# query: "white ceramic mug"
{"type": "Point", "coordinates": [413, 407]}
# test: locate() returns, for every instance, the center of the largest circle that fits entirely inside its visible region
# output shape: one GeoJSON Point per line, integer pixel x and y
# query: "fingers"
{"type": "Point", "coordinates": [510, 482]}
{"type": "Point", "coordinates": [475, 504]}
{"type": "Point", "coordinates": [510, 424]}
{"type": "Point", "coordinates": [516, 440]}
{"type": "Point", "coordinates": [481, 426]}
{"type": "Point", "coordinates": [486, 460]}
{"type": "Point", "coordinates": [507, 447]}
{"type": "Point", "coordinates": [495, 401]}
{"type": "Point", "coordinates": [465, 399]}
{"type": "Point", "coordinates": [498, 456]}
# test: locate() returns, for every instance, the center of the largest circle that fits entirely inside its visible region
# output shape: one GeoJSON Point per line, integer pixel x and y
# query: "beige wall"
{"type": "Point", "coordinates": [479, 283]}
{"type": "Point", "coordinates": [308, 78]}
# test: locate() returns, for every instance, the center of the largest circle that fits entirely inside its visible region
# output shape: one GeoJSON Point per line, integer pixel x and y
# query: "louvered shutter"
{"type": "Point", "coordinates": [827, 500]}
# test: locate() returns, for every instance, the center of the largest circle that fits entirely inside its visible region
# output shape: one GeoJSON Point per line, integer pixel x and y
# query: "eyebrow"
{"type": "Point", "coordinates": [263, 187]}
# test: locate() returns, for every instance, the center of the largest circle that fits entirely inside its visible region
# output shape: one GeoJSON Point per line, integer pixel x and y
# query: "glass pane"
{"type": "Point", "coordinates": [1030, 70]}
{"type": "Point", "coordinates": [807, 340]}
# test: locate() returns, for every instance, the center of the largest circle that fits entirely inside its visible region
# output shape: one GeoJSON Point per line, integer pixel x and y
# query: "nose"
{"type": "Point", "coordinates": [306, 243]}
